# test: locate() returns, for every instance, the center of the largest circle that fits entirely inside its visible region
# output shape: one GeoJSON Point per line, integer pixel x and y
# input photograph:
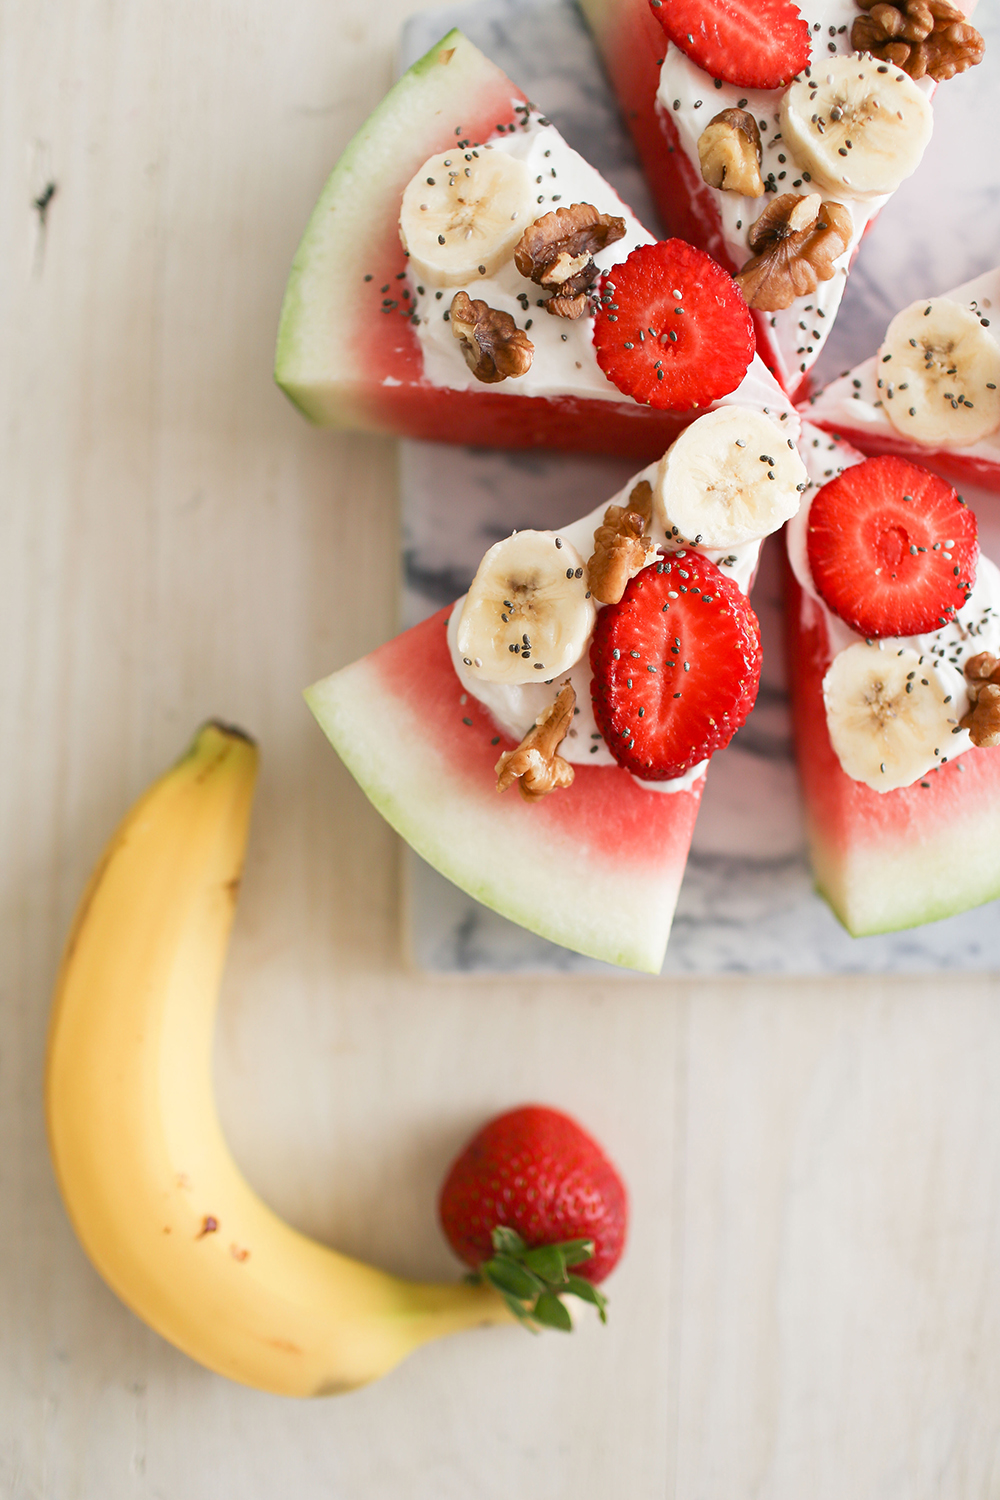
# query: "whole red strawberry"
{"type": "Point", "coordinates": [534, 1205]}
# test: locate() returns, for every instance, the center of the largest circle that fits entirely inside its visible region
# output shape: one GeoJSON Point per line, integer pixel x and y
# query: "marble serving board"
{"type": "Point", "coordinates": [747, 904]}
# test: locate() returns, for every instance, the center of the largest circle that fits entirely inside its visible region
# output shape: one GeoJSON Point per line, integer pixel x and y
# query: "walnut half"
{"type": "Point", "coordinates": [620, 547]}
{"type": "Point", "coordinates": [555, 253]}
{"type": "Point", "coordinates": [729, 151]}
{"type": "Point", "coordinates": [534, 765]}
{"type": "Point", "coordinates": [493, 345]}
{"type": "Point", "coordinates": [926, 38]}
{"type": "Point", "coordinates": [795, 242]}
{"type": "Point", "coordinates": [982, 674]}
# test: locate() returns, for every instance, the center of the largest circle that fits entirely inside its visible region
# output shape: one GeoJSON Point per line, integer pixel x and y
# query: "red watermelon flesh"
{"type": "Point", "coordinates": [886, 860]}
{"type": "Point", "coordinates": [348, 358]}
{"type": "Point", "coordinates": [596, 867]}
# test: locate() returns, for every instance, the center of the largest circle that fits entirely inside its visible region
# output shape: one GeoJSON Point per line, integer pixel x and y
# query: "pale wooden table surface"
{"type": "Point", "coordinates": [810, 1306]}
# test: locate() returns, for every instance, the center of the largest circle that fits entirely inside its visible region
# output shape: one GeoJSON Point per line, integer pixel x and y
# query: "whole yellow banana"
{"type": "Point", "coordinates": [148, 1181]}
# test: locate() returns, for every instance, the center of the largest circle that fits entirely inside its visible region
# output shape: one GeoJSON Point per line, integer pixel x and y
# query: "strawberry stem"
{"type": "Point", "coordinates": [534, 1281]}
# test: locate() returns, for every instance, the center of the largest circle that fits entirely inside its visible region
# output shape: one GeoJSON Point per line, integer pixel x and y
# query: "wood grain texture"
{"type": "Point", "coordinates": [809, 1304]}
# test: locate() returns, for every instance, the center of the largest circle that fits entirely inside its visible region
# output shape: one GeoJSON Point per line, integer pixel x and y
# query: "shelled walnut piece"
{"type": "Point", "coordinates": [926, 38]}
{"type": "Point", "coordinates": [620, 547]}
{"type": "Point", "coordinates": [982, 674]}
{"type": "Point", "coordinates": [555, 252]}
{"type": "Point", "coordinates": [534, 765]}
{"type": "Point", "coordinates": [729, 151]}
{"type": "Point", "coordinates": [493, 345]}
{"type": "Point", "coordinates": [795, 242]}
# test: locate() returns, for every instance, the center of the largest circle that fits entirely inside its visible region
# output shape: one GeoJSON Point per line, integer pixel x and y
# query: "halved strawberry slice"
{"type": "Point", "coordinates": [672, 328]}
{"type": "Point", "coordinates": [892, 548]}
{"type": "Point", "coordinates": [676, 666]}
{"type": "Point", "coordinates": [755, 44]}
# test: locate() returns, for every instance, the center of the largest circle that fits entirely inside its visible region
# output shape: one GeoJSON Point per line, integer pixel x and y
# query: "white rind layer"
{"type": "Point", "coordinates": [899, 883]}
{"type": "Point", "coordinates": [596, 905]}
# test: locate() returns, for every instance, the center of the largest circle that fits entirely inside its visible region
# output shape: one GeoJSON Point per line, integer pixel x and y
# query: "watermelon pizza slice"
{"type": "Point", "coordinates": [932, 392]}
{"type": "Point", "coordinates": [543, 743]}
{"type": "Point", "coordinates": [893, 635]}
{"type": "Point", "coordinates": [773, 132]}
{"type": "Point", "coordinates": [467, 277]}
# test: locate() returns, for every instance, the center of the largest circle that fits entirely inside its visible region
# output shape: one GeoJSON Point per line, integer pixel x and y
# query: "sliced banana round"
{"type": "Point", "coordinates": [528, 615]}
{"type": "Point", "coordinates": [729, 478]}
{"type": "Point", "coordinates": [890, 714]}
{"type": "Point", "coordinates": [939, 374]}
{"type": "Point", "coordinates": [857, 126]}
{"type": "Point", "coordinates": [462, 214]}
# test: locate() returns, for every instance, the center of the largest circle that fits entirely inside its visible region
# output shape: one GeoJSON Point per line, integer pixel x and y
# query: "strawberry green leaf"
{"type": "Point", "coordinates": [532, 1281]}
{"type": "Point", "coordinates": [575, 1252]}
{"type": "Point", "coordinates": [551, 1313]}
{"type": "Point", "coordinates": [587, 1291]}
{"type": "Point", "coordinates": [508, 1276]}
{"type": "Point", "coordinates": [507, 1241]}
{"type": "Point", "coordinates": [547, 1261]}
{"type": "Point", "coordinates": [521, 1312]}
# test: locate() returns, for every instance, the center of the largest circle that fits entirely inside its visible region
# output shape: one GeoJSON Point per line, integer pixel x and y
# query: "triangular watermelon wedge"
{"type": "Point", "coordinates": [667, 101]}
{"type": "Point", "coordinates": [348, 352]}
{"type": "Point", "coordinates": [883, 860]}
{"type": "Point", "coordinates": [855, 406]}
{"type": "Point", "coordinates": [596, 867]}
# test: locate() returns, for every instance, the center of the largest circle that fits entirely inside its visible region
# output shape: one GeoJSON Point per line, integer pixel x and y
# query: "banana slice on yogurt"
{"type": "Point", "coordinates": [891, 713]}
{"type": "Point", "coordinates": [528, 615]}
{"type": "Point", "coordinates": [729, 478]}
{"type": "Point", "coordinates": [858, 126]}
{"type": "Point", "coordinates": [939, 374]}
{"type": "Point", "coordinates": [463, 213]}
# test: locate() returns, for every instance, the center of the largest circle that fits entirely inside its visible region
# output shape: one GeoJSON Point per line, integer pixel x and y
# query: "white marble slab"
{"type": "Point", "coordinates": [747, 903]}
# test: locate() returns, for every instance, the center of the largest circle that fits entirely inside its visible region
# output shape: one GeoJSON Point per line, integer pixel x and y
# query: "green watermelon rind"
{"type": "Point", "coordinates": [319, 362]}
{"type": "Point", "coordinates": [590, 901]}
{"type": "Point", "coordinates": [873, 890]}
{"type": "Point", "coordinates": [888, 861]}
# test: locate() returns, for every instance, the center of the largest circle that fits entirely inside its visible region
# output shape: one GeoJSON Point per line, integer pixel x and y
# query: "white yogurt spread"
{"type": "Point", "coordinates": [564, 362]}
{"type": "Point", "coordinates": [691, 98]}
{"type": "Point", "coordinates": [516, 707]}
{"type": "Point", "coordinates": [976, 626]}
{"type": "Point", "coordinates": [854, 400]}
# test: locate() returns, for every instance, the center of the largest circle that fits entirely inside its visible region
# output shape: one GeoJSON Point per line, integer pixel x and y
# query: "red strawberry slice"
{"type": "Point", "coordinates": [672, 328]}
{"type": "Point", "coordinates": [892, 548]}
{"type": "Point", "coordinates": [676, 666]}
{"type": "Point", "coordinates": [754, 44]}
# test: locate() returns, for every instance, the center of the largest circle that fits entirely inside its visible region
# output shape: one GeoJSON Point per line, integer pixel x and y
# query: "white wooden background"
{"type": "Point", "coordinates": [810, 1304]}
